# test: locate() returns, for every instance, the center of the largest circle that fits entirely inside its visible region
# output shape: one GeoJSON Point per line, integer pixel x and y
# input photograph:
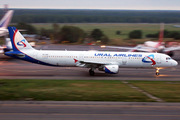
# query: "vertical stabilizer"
{"type": "Point", "coordinates": [19, 43]}
{"type": "Point", "coordinates": [6, 19]}
{"type": "Point", "coordinates": [161, 35]}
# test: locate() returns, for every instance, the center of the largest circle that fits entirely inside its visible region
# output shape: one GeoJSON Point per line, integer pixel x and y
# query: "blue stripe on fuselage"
{"type": "Point", "coordinates": [27, 58]}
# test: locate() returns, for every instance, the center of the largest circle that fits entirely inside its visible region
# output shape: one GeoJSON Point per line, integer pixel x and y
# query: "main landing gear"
{"type": "Point", "coordinates": [157, 72]}
{"type": "Point", "coordinates": [91, 72]}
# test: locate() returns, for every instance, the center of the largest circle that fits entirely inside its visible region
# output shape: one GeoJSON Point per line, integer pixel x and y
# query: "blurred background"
{"type": "Point", "coordinates": [95, 26]}
{"type": "Point", "coordinates": [87, 25]}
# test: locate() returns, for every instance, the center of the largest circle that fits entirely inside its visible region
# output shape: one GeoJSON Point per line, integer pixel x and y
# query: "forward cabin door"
{"type": "Point", "coordinates": [158, 59]}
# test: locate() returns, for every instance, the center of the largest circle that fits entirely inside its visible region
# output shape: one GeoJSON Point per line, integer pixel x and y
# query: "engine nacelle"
{"type": "Point", "coordinates": [112, 69]}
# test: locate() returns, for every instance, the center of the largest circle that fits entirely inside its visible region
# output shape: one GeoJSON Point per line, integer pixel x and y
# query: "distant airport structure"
{"type": "Point", "coordinates": [178, 26]}
{"type": "Point", "coordinates": [5, 8]}
{"type": "Point", "coordinates": [152, 46]}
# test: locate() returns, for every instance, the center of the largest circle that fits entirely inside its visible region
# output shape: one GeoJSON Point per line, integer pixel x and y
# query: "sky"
{"type": "Point", "coordinates": [94, 4]}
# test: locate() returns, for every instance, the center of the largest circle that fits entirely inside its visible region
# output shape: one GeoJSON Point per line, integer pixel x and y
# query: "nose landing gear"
{"type": "Point", "coordinates": [157, 72]}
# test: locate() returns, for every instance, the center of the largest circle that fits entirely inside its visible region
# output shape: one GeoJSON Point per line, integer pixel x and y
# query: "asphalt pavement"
{"type": "Point", "coordinates": [68, 110]}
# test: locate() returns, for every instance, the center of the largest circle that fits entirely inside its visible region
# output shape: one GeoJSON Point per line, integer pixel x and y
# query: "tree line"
{"type": "Point", "coordinates": [137, 34]}
{"type": "Point", "coordinates": [71, 34]}
{"type": "Point", "coordinates": [74, 34]}
{"type": "Point", "coordinates": [167, 34]}
{"type": "Point", "coordinates": [94, 16]}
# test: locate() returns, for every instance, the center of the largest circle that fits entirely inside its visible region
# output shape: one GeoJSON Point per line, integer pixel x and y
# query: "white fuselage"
{"type": "Point", "coordinates": [151, 44]}
{"type": "Point", "coordinates": [122, 59]}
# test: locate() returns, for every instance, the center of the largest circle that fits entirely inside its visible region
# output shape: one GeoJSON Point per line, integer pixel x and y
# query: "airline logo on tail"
{"type": "Point", "coordinates": [149, 59]}
{"type": "Point", "coordinates": [21, 43]}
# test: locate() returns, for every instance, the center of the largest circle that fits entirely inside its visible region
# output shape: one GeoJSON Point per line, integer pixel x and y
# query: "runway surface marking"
{"type": "Point", "coordinates": [142, 91]}
{"type": "Point", "coordinates": [56, 105]}
{"type": "Point", "coordinates": [90, 114]}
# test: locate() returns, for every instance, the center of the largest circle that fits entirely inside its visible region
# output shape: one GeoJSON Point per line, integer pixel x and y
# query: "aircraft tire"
{"type": "Point", "coordinates": [157, 73]}
{"type": "Point", "coordinates": [91, 72]}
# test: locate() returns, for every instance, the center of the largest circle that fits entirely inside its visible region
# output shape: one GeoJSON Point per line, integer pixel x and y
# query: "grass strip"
{"type": "Point", "coordinates": [168, 91]}
{"type": "Point", "coordinates": [111, 29]}
{"type": "Point", "coordinates": [69, 90]}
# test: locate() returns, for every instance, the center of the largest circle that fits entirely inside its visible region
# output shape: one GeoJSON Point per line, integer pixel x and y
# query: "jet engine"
{"type": "Point", "coordinates": [112, 69]}
{"type": "Point", "coordinates": [161, 48]}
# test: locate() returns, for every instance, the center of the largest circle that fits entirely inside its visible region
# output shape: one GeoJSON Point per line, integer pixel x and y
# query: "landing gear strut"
{"type": "Point", "coordinates": [157, 72]}
{"type": "Point", "coordinates": [91, 72]}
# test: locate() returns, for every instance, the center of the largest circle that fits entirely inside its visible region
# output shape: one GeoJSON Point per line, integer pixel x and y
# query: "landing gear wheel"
{"type": "Point", "coordinates": [157, 73]}
{"type": "Point", "coordinates": [91, 72]}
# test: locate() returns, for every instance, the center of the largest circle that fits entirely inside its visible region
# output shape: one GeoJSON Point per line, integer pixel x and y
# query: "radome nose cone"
{"type": "Point", "coordinates": [175, 63]}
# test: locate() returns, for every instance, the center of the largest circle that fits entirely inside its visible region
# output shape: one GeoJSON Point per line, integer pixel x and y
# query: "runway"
{"type": "Point", "coordinates": [66, 110]}
{"type": "Point", "coordinates": [17, 69]}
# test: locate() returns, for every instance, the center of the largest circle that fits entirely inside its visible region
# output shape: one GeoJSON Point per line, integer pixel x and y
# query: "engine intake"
{"type": "Point", "coordinates": [111, 69]}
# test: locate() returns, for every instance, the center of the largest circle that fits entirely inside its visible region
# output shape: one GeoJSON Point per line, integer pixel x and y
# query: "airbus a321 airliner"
{"type": "Point", "coordinates": [109, 62]}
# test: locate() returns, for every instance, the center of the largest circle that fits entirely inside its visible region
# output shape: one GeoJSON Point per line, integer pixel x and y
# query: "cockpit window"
{"type": "Point", "coordinates": [168, 58]}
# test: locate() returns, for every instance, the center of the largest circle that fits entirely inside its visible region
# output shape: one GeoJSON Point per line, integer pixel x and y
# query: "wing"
{"type": "Point", "coordinates": [171, 49]}
{"type": "Point", "coordinates": [142, 48]}
{"type": "Point", "coordinates": [137, 48]}
{"type": "Point", "coordinates": [128, 48]}
{"type": "Point", "coordinates": [95, 64]}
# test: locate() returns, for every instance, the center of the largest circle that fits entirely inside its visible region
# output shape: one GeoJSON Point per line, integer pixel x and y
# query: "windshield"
{"type": "Point", "coordinates": [168, 58]}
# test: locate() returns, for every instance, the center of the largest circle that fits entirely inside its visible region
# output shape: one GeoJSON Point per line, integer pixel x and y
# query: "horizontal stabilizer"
{"type": "Point", "coordinates": [15, 53]}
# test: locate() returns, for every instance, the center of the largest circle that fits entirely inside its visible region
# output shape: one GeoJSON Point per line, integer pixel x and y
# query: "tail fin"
{"type": "Point", "coordinates": [6, 19]}
{"type": "Point", "coordinates": [19, 43]}
{"type": "Point", "coordinates": [161, 35]}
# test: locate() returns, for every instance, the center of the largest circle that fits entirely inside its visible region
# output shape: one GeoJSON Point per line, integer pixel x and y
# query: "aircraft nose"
{"type": "Point", "coordinates": [175, 63]}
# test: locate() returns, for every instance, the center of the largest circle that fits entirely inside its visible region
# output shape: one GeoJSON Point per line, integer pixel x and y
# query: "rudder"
{"type": "Point", "coordinates": [19, 43]}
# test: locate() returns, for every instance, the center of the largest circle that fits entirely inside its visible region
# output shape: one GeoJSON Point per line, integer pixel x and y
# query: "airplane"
{"type": "Point", "coordinates": [109, 62]}
{"type": "Point", "coordinates": [178, 26]}
{"type": "Point", "coordinates": [6, 47]}
{"type": "Point", "coordinates": [151, 46]}
{"type": "Point", "coordinates": [5, 22]}
{"type": "Point", "coordinates": [4, 31]}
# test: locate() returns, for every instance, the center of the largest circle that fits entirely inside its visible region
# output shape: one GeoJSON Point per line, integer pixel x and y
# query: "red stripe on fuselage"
{"type": "Point", "coordinates": [153, 62]}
